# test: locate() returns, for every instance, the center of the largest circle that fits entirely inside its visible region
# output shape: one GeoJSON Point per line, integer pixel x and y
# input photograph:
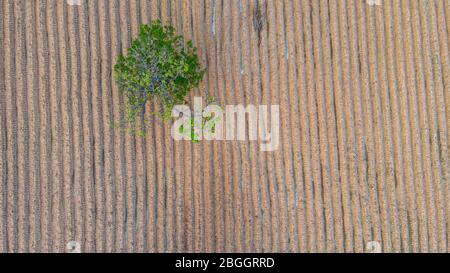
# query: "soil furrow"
{"type": "Point", "coordinates": [119, 135]}
{"type": "Point", "coordinates": [368, 138]}
{"type": "Point", "coordinates": [11, 119]}
{"type": "Point", "coordinates": [200, 32]}
{"type": "Point", "coordinates": [140, 152]}
{"type": "Point", "coordinates": [284, 99]}
{"type": "Point", "coordinates": [395, 122]}
{"type": "Point", "coordinates": [251, 98]}
{"type": "Point", "coordinates": [67, 122]}
{"type": "Point", "coordinates": [23, 129]}
{"type": "Point", "coordinates": [97, 126]}
{"type": "Point", "coordinates": [305, 127]}
{"type": "Point", "coordinates": [169, 159]}
{"type": "Point", "coordinates": [88, 134]}
{"type": "Point", "coordinates": [383, 203]}
{"type": "Point", "coordinates": [387, 125]}
{"type": "Point", "coordinates": [344, 157]}
{"type": "Point", "coordinates": [3, 145]}
{"type": "Point", "coordinates": [425, 130]}
{"type": "Point", "coordinates": [316, 191]}
{"type": "Point", "coordinates": [440, 71]}
{"type": "Point", "coordinates": [108, 120]}
{"type": "Point", "coordinates": [405, 131]}
{"type": "Point", "coordinates": [129, 145]}
{"type": "Point", "coordinates": [79, 167]}
{"type": "Point", "coordinates": [297, 158]}
{"type": "Point", "coordinates": [425, 240]}
{"type": "Point", "coordinates": [332, 114]}
{"type": "Point", "coordinates": [243, 146]}
{"type": "Point", "coordinates": [361, 162]}
{"type": "Point", "coordinates": [217, 164]}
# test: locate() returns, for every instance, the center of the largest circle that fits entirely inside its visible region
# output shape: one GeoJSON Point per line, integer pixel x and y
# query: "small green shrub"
{"type": "Point", "coordinates": [157, 65]}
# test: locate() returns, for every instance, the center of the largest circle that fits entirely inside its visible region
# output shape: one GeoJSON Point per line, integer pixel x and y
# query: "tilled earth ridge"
{"type": "Point", "coordinates": [364, 95]}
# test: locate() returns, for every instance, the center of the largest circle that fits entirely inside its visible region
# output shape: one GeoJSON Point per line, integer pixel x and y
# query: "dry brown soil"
{"type": "Point", "coordinates": [365, 111]}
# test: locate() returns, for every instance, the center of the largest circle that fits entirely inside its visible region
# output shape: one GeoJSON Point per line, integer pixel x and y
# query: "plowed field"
{"type": "Point", "coordinates": [364, 95]}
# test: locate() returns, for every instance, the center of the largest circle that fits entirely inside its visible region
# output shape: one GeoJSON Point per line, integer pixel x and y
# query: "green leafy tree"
{"type": "Point", "coordinates": [157, 65]}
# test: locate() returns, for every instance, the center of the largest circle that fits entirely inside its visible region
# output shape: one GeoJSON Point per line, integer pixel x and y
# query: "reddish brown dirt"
{"type": "Point", "coordinates": [364, 150]}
